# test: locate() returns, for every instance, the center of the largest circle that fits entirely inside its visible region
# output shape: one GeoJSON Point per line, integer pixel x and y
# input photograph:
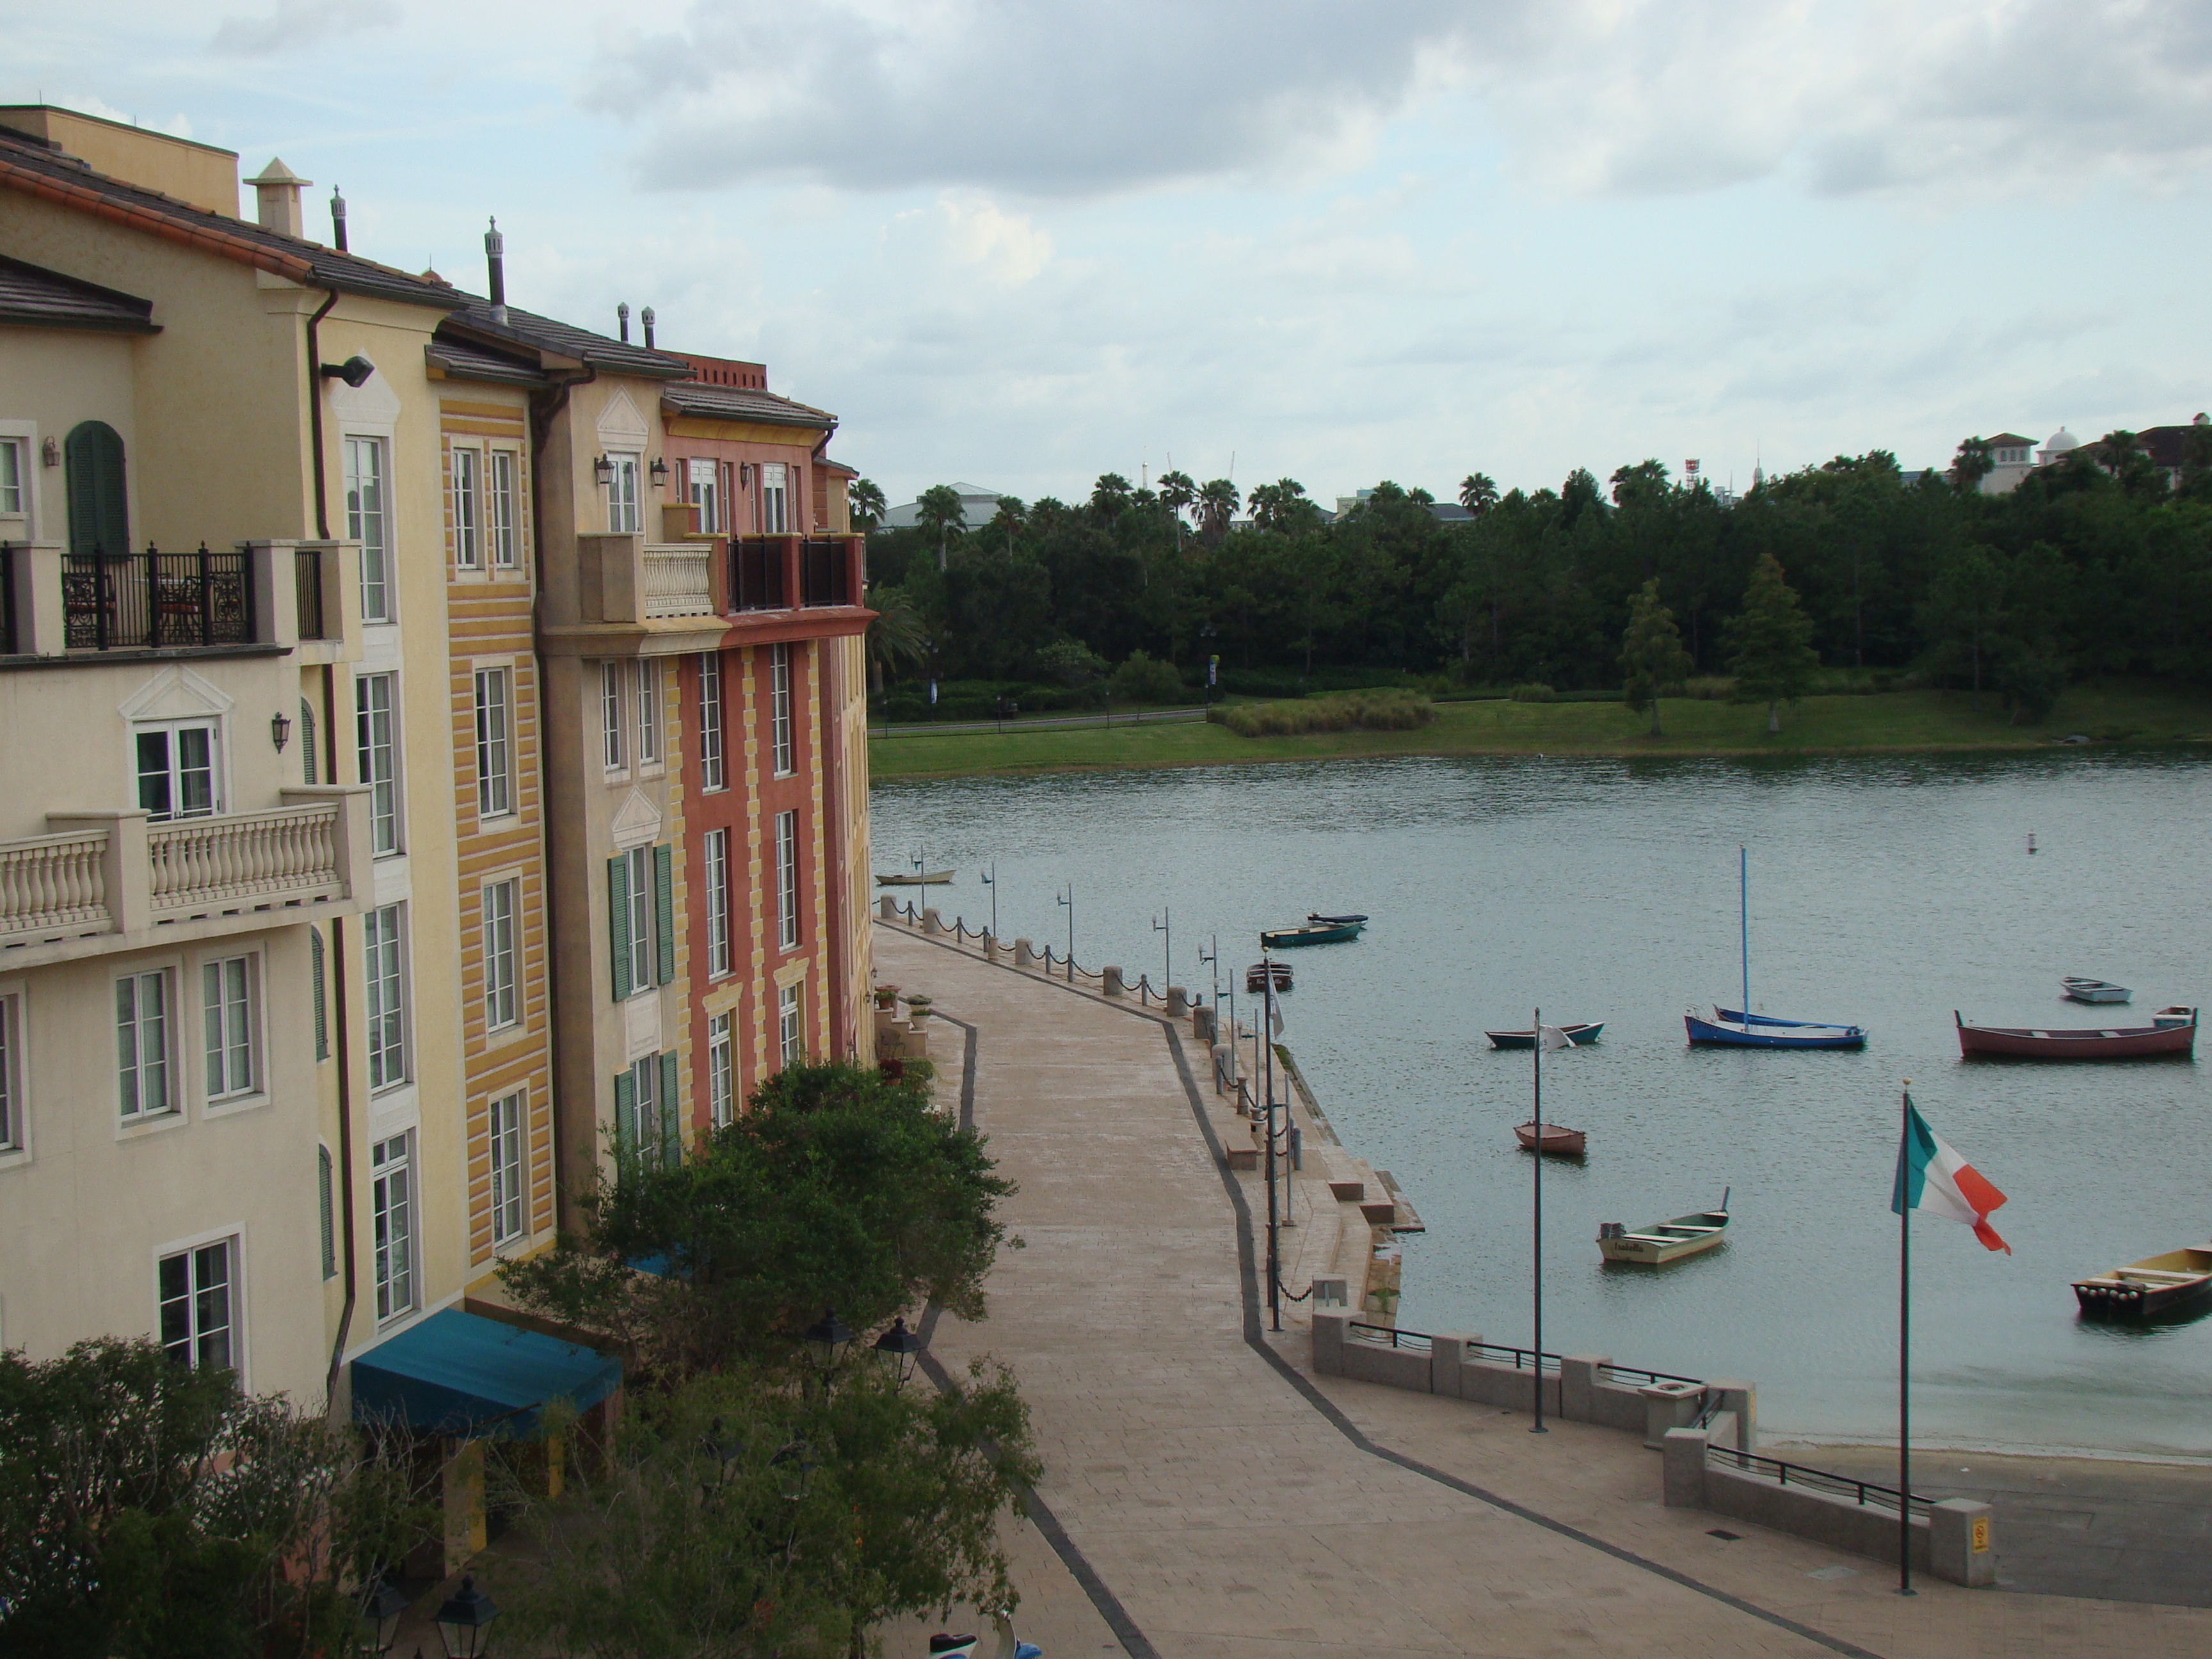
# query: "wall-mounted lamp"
{"type": "Point", "coordinates": [354, 371]}
{"type": "Point", "coordinates": [660, 470]}
{"type": "Point", "coordinates": [744, 474]}
{"type": "Point", "coordinates": [50, 452]}
{"type": "Point", "coordinates": [604, 470]}
{"type": "Point", "coordinates": [280, 731]}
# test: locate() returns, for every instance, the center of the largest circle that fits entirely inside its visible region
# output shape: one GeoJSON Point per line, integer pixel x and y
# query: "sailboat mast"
{"type": "Point", "coordinates": [1743, 913]}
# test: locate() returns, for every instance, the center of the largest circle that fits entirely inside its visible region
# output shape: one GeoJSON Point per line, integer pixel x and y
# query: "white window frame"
{"type": "Point", "coordinates": [173, 732]}
{"type": "Point", "coordinates": [502, 493]}
{"type": "Point", "coordinates": [510, 1169]}
{"type": "Point", "coordinates": [714, 871]}
{"type": "Point", "coordinates": [713, 760]}
{"type": "Point", "coordinates": [502, 1000]}
{"type": "Point", "coordinates": [376, 758]}
{"type": "Point", "coordinates": [639, 939]}
{"type": "Point", "coordinates": [17, 489]}
{"type": "Point", "coordinates": [645, 1107]}
{"type": "Point", "coordinates": [188, 1343]}
{"type": "Point", "coordinates": [784, 753]}
{"type": "Point", "coordinates": [391, 1224]}
{"type": "Point", "coordinates": [703, 489]}
{"type": "Point", "coordinates": [786, 879]}
{"type": "Point", "coordinates": [721, 1067]}
{"type": "Point", "coordinates": [14, 1130]}
{"type": "Point", "coordinates": [385, 987]}
{"type": "Point", "coordinates": [624, 517]}
{"type": "Point", "coordinates": [495, 700]}
{"type": "Point", "coordinates": [774, 499]}
{"type": "Point", "coordinates": [133, 1025]}
{"type": "Point", "coordinates": [468, 507]}
{"type": "Point", "coordinates": [790, 1023]}
{"type": "Point", "coordinates": [230, 1026]}
{"type": "Point", "coordinates": [611, 714]}
{"type": "Point", "coordinates": [370, 525]}
{"type": "Point", "coordinates": [649, 711]}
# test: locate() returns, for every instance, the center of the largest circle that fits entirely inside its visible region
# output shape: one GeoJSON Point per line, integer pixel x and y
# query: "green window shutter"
{"type": "Point", "coordinates": [329, 1229]}
{"type": "Point", "coordinates": [98, 516]}
{"type": "Point", "coordinates": [322, 1009]}
{"type": "Point", "coordinates": [625, 1115]}
{"type": "Point", "coordinates": [618, 922]}
{"type": "Point", "coordinates": [671, 1119]}
{"type": "Point", "coordinates": [663, 912]}
{"type": "Point", "coordinates": [307, 741]}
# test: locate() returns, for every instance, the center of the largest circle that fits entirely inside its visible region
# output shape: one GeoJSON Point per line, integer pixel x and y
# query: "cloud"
{"type": "Point", "coordinates": [296, 25]}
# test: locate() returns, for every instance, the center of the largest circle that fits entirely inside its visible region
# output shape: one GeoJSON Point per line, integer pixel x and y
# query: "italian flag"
{"type": "Point", "coordinates": [1932, 1176]}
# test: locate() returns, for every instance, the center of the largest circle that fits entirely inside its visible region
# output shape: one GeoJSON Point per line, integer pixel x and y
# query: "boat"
{"type": "Point", "coordinates": [2156, 1285]}
{"type": "Point", "coordinates": [1556, 1139]}
{"type": "Point", "coordinates": [1739, 1028]}
{"type": "Point", "coordinates": [1334, 921]}
{"type": "Point", "coordinates": [922, 878]}
{"type": "Point", "coordinates": [1312, 933]}
{"type": "Point", "coordinates": [1577, 1035]}
{"type": "Point", "coordinates": [1665, 1241]}
{"type": "Point", "coordinates": [2092, 990]}
{"type": "Point", "coordinates": [1255, 976]}
{"type": "Point", "coordinates": [2172, 1031]}
{"type": "Point", "coordinates": [1733, 1028]}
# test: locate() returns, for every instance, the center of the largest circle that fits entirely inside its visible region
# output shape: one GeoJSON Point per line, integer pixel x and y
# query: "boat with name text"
{"type": "Point", "coordinates": [1665, 1241]}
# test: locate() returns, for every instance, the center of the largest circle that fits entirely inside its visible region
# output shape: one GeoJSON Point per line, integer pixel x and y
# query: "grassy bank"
{"type": "Point", "coordinates": [1898, 721]}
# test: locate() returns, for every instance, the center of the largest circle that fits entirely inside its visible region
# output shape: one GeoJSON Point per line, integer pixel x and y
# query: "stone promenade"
{"type": "Point", "coordinates": [1210, 1501]}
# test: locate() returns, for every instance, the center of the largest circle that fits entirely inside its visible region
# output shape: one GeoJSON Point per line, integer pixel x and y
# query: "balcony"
{"type": "Point", "coordinates": [678, 580]}
{"type": "Point", "coordinates": [822, 570]}
{"type": "Point", "coordinates": [111, 881]}
{"type": "Point", "coordinates": [624, 596]}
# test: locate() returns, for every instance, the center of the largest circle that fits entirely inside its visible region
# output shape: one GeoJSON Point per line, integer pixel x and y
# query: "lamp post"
{"type": "Point", "coordinates": [898, 1351]}
{"type": "Point", "coordinates": [826, 1339]}
{"type": "Point", "coordinates": [464, 1622]}
{"type": "Point", "coordinates": [991, 881]}
{"type": "Point", "coordinates": [1165, 923]}
{"type": "Point", "coordinates": [1067, 899]}
{"type": "Point", "coordinates": [1212, 960]}
{"type": "Point", "coordinates": [381, 1608]}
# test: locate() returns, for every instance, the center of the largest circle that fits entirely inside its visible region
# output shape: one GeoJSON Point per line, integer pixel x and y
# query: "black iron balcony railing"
{"type": "Point", "coordinates": [308, 580]}
{"type": "Point", "coordinates": [756, 574]}
{"type": "Point", "coordinates": [821, 573]}
{"type": "Point", "coordinates": [7, 646]}
{"type": "Point", "coordinates": [154, 600]}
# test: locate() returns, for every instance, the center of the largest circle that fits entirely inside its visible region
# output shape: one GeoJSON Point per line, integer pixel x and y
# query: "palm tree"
{"type": "Point", "coordinates": [942, 510]}
{"type": "Point", "coordinates": [1477, 493]}
{"type": "Point", "coordinates": [1010, 517]}
{"type": "Point", "coordinates": [897, 636]}
{"type": "Point", "coordinates": [1278, 506]}
{"type": "Point", "coordinates": [1217, 505]}
{"type": "Point", "coordinates": [865, 499]}
{"type": "Point", "coordinates": [1109, 496]}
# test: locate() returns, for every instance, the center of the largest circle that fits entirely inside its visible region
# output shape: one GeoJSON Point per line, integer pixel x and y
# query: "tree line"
{"type": "Point", "coordinates": [2098, 564]}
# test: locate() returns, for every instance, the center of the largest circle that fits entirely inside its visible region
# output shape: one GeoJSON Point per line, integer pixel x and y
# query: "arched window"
{"type": "Point", "coordinates": [99, 518]}
{"type": "Point", "coordinates": [307, 741]}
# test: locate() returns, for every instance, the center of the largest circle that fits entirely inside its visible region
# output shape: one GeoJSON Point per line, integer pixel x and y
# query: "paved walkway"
{"type": "Point", "coordinates": [1214, 1500]}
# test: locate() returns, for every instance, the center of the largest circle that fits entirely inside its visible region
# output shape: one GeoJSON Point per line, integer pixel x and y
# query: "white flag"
{"type": "Point", "coordinates": [1553, 1037]}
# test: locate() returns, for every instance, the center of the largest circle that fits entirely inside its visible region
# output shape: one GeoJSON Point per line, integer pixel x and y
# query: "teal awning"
{"type": "Point", "coordinates": [458, 1374]}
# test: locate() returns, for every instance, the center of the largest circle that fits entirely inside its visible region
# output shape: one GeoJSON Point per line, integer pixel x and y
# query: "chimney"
{"type": "Point", "coordinates": [495, 259]}
{"type": "Point", "coordinates": [646, 317]}
{"type": "Point", "coordinates": [278, 190]}
{"type": "Point", "coordinates": [621, 318]}
{"type": "Point", "coordinates": [337, 220]}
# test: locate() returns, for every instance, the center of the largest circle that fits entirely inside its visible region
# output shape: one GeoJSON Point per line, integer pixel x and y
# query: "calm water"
{"type": "Point", "coordinates": [1886, 892]}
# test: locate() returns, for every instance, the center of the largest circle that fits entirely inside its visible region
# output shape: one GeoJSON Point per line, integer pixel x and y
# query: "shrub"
{"type": "Point", "coordinates": [1141, 679]}
{"type": "Point", "coordinates": [1368, 711]}
{"type": "Point", "coordinates": [1535, 691]}
{"type": "Point", "coordinates": [1709, 688]}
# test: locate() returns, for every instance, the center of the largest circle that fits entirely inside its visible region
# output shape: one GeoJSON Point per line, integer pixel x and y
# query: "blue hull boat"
{"type": "Point", "coordinates": [1732, 1028]}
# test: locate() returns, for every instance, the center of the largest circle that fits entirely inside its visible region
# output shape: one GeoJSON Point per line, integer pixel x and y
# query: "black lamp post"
{"type": "Point", "coordinates": [827, 1339]}
{"type": "Point", "coordinates": [898, 1350]}
{"type": "Point", "coordinates": [464, 1622]}
{"type": "Point", "coordinates": [280, 731]}
{"type": "Point", "coordinates": [380, 1609]}
{"type": "Point", "coordinates": [793, 1467]}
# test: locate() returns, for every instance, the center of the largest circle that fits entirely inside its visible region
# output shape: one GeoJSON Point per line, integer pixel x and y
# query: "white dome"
{"type": "Point", "coordinates": [2061, 442]}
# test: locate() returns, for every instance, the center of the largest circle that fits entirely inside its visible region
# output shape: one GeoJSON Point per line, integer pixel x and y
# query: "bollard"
{"type": "Point", "coordinates": [887, 908]}
{"type": "Point", "coordinates": [931, 922]}
{"type": "Point", "coordinates": [1178, 1001]}
{"type": "Point", "coordinates": [991, 948]}
{"type": "Point", "coordinates": [1114, 987]}
{"type": "Point", "coordinates": [1025, 954]}
{"type": "Point", "coordinates": [1202, 1025]}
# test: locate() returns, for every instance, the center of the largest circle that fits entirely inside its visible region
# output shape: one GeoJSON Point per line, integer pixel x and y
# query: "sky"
{"type": "Point", "coordinates": [1019, 245]}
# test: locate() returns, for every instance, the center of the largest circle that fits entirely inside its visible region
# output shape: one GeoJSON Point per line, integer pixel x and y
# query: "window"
{"type": "Point", "coordinates": [199, 1319]}
{"type": "Point", "coordinates": [385, 991]}
{"type": "Point", "coordinates": [644, 1129]}
{"type": "Point", "coordinates": [648, 1117]}
{"type": "Point", "coordinates": [779, 660]}
{"type": "Point", "coordinates": [721, 1070]}
{"type": "Point", "coordinates": [468, 507]}
{"type": "Point", "coordinates": [641, 918]}
{"type": "Point", "coordinates": [716, 874]}
{"type": "Point", "coordinates": [98, 513]}
{"type": "Point", "coordinates": [648, 711]}
{"type": "Point", "coordinates": [774, 500]}
{"type": "Point", "coordinates": [789, 1024]}
{"type": "Point", "coordinates": [11, 1075]}
{"type": "Point", "coordinates": [505, 536]}
{"type": "Point", "coordinates": [706, 493]}
{"type": "Point", "coordinates": [366, 524]}
{"type": "Point", "coordinates": [325, 1187]}
{"type": "Point", "coordinates": [391, 1208]}
{"type": "Point", "coordinates": [376, 736]}
{"type": "Point", "coordinates": [141, 1043]}
{"type": "Point", "coordinates": [178, 777]}
{"type": "Point", "coordinates": [12, 492]}
{"type": "Point", "coordinates": [622, 496]}
{"type": "Point", "coordinates": [321, 998]}
{"type": "Point", "coordinates": [307, 767]}
{"type": "Point", "coordinates": [499, 954]}
{"type": "Point", "coordinates": [495, 789]}
{"type": "Point", "coordinates": [506, 1166]}
{"type": "Point", "coordinates": [227, 1010]}
{"type": "Point", "coordinates": [713, 774]}
{"type": "Point", "coordinates": [786, 879]}
{"type": "Point", "coordinates": [610, 720]}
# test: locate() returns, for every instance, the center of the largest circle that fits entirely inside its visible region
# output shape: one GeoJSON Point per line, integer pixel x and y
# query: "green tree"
{"type": "Point", "coordinates": [942, 510]}
{"type": "Point", "coordinates": [1772, 643]}
{"type": "Point", "coordinates": [1140, 679]}
{"type": "Point", "coordinates": [1009, 519]}
{"type": "Point", "coordinates": [897, 636]}
{"type": "Point", "coordinates": [1972, 463]}
{"type": "Point", "coordinates": [1959, 614]}
{"type": "Point", "coordinates": [1216, 505]}
{"type": "Point", "coordinates": [865, 500]}
{"type": "Point", "coordinates": [1478, 493]}
{"type": "Point", "coordinates": [1110, 499]}
{"type": "Point", "coordinates": [1651, 653]}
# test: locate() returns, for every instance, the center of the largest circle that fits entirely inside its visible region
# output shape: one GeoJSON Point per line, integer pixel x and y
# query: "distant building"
{"type": "Point", "coordinates": [2010, 462]}
{"type": "Point", "coordinates": [2012, 458]}
{"type": "Point", "coordinates": [978, 507]}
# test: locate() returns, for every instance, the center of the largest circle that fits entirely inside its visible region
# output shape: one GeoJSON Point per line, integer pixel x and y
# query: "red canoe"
{"type": "Point", "coordinates": [2173, 1031]}
{"type": "Point", "coordinates": [1558, 1140]}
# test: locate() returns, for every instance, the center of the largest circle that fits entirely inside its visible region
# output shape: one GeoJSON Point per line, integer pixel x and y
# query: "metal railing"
{"type": "Point", "coordinates": [155, 600]}
{"type": "Point", "coordinates": [1523, 1360]}
{"type": "Point", "coordinates": [823, 578]}
{"type": "Point", "coordinates": [1635, 1377]}
{"type": "Point", "coordinates": [1863, 1492]}
{"type": "Point", "coordinates": [756, 573]}
{"type": "Point", "coordinates": [1389, 1336]}
{"type": "Point", "coordinates": [308, 590]}
{"type": "Point", "coordinates": [678, 580]}
{"type": "Point", "coordinates": [7, 646]}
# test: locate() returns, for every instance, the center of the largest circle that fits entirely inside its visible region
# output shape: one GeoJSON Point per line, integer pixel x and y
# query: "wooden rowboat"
{"type": "Point", "coordinates": [1313, 932]}
{"type": "Point", "coordinates": [2156, 1285]}
{"type": "Point", "coordinates": [1665, 1241]}
{"type": "Point", "coordinates": [1334, 921]}
{"type": "Point", "coordinates": [1577, 1035]}
{"type": "Point", "coordinates": [1557, 1140]}
{"type": "Point", "coordinates": [1256, 977]}
{"type": "Point", "coordinates": [926, 878]}
{"type": "Point", "coordinates": [2172, 1031]}
{"type": "Point", "coordinates": [1733, 1028]}
{"type": "Point", "coordinates": [2077, 989]}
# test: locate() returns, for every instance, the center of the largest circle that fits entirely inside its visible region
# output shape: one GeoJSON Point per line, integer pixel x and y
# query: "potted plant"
{"type": "Point", "coordinates": [886, 997]}
{"type": "Point", "coordinates": [917, 1007]}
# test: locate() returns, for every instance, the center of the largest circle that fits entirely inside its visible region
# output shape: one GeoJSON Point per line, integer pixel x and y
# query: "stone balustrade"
{"type": "Point", "coordinates": [676, 580]}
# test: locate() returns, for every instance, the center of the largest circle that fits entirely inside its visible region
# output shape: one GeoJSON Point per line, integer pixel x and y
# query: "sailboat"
{"type": "Point", "coordinates": [1740, 1028]}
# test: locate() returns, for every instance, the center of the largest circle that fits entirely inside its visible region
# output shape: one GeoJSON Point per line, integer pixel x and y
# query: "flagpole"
{"type": "Point", "coordinates": [1903, 1358]}
{"type": "Point", "coordinates": [1536, 1220]}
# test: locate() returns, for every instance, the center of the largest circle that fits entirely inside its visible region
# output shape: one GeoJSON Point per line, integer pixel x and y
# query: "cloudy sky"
{"type": "Point", "coordinates": [1021, 244]}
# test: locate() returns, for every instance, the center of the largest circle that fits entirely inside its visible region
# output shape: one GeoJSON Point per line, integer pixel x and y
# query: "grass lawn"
{"type": "Point", "coordinates": [1897, 721]}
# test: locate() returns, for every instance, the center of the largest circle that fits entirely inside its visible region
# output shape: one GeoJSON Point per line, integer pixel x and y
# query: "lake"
{"type": "Point", "coordinates": [1885, 892]}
